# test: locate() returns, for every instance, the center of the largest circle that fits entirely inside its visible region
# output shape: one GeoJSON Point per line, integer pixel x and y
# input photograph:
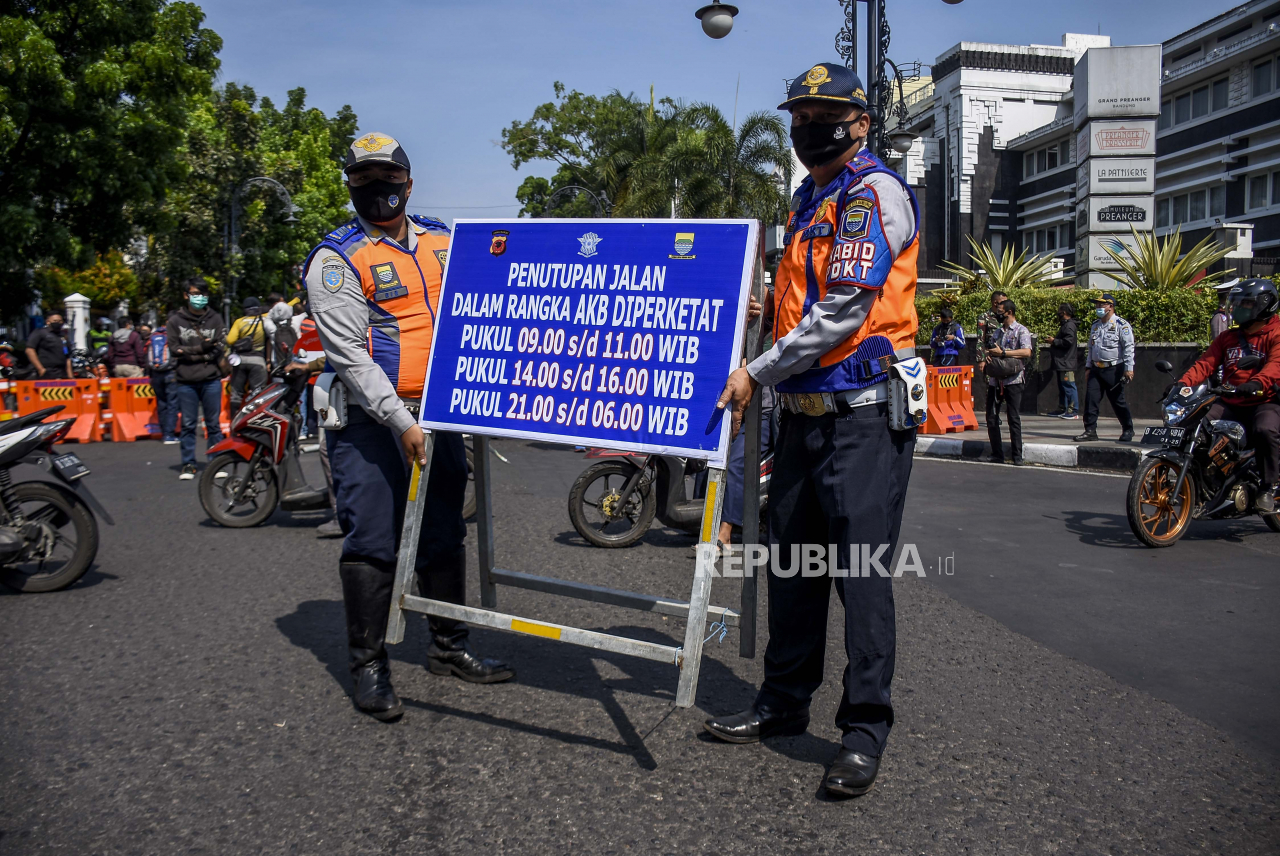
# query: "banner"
{"type": "Point", "coordinates": [614, 333]}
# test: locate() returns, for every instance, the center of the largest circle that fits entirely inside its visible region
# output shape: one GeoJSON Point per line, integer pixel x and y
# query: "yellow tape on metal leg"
{"type": "Point", "coordinates": [413, 482]}
{"type": "Point", "coordinates": [535, 629]}
{"type": "Point", "coordinates": [708, 510]}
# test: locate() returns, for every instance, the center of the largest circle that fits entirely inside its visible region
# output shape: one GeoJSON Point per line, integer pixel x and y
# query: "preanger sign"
{"type": "Point", "coordinates": [615, 333]}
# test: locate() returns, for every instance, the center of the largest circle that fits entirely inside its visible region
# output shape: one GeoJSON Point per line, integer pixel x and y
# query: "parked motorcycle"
{"type": "Point", "coordinates": [257, 465]}
{"type": "Point", "coordinates": [48, 533]}
{"type": "Point", "coordinates": [1203, 471]}
{"type": "Point", "coordinates": [85, 363]}
{"type": "Point", "coordinates": [614, 501]}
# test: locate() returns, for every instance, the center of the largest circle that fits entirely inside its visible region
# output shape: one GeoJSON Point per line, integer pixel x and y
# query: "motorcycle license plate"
{"type": "Point", "coordinates": [70, 467]}
{"type": "Point", "coordinates": [1162, 436]}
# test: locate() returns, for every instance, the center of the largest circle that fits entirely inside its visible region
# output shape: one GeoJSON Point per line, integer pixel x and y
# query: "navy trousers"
{"type": "Point", "coordinates": [192, 398]}
{"type": "Point", "coordinates": [837, 479]}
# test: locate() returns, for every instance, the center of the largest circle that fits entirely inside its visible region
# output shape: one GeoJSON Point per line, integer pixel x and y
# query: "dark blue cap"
{"type": "Point", "coordinates": [827, 81]}
{"type": "Point", "coordinates": [1107, 297]}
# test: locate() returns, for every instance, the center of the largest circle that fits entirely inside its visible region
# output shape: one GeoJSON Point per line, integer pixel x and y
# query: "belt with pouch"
{"type": "Point", "coordinates": [819, 403]}
{"type": "Point", "coordinates": [414, 406]}
{"type": "Point", "coordinates": [1105, 364]}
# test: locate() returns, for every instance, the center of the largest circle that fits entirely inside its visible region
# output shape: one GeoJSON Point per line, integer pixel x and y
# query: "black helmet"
{"type": "Point", "coordinates": [1262, 296]}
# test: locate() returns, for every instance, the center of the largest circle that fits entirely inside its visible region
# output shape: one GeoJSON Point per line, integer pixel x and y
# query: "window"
{"type": "Point", "coordinates": [1262, 79]}
{"type": "Point", "coordinates": [1064, 151]}
{"type": "Point", "coordinates": [1197, 211]}
{"type": "Point", "coordinates": [1275, 188]}
{"type": "Point", "coordinates": [1162, 213]}
{"type": "Point", "coordinates": [1053, 157]}
{"type": "Point", "coordinates": [1051, 239]}
{"type": "Point", "coordinates": [1064, 235]}
{"type": "Point", "coordinates": [1182, 108]}
{"type": "Point", "coordinates": [1200, 102]}
{"type": "Point", "coordinates": [1166, 115]}
{"type": "Point", "coordinates": [1040, 241]}
{"type": "Point", "coordinates": [997, 243]}
{"type": "Point", "coordinates": [1179, 209]}
{"type": "Point", "coordinates": [1042, 160]}
{"type": "Point", "coordinates": [1257, 192]}
{"type": "Point", "coordinates": [1220, 95]}
{"type": "Point", "coordinates": [1217, 201]}
{"type": "Point", "coordinates": [1029, 165]}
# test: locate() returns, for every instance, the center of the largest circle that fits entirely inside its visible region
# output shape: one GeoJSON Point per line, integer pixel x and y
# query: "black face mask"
{"type": "Point", "coordinates": [55, 327]}
{"type": "Point", "coordinates": [379, 201]}
{"type": "Point", "coordinates": [817, 143]}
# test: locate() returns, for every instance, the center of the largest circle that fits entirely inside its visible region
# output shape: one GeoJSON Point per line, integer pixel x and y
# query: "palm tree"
{"type": "Point", "coordinates": [1150, 263]}
{"type": "Point", "coordinates": [1003, 272]}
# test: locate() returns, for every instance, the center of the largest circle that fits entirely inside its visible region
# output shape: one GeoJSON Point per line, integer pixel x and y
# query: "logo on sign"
{"type": "Point", "coordinates": [589, 243]}
{"type": "Point", "coordinates": [498, 245]}
{"type": "Point", "coordinates": [684, 245]}
{"type": "Point", "coordinates": [1122, 214]}
{"type": "Point", "coordinates": [1122, 138]}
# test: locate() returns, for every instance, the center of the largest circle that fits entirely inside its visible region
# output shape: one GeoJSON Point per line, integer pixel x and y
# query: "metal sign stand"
{"type": "Point", "coordinates": [687, 657]}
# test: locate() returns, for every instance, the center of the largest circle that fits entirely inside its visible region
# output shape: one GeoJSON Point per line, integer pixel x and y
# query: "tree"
{"type": "Point", "coordinates": [1003, 272]}
{"type": "Point", "coordinates": [93, 106]}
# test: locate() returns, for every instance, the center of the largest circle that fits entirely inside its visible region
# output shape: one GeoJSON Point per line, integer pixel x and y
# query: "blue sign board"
{"type": "Point", "coordinates": [614, 333]}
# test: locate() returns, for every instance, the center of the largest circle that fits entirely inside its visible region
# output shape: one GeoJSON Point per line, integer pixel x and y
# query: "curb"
{"type": "Point", "coordinates": [1048, 454]}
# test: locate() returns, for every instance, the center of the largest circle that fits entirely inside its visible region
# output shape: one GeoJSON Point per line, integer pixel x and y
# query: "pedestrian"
{"type": "Point", "coordinates": [844, 314]}
{"type": "Point", "coordinates": [372, 455]}
{"type": "Point", "coordinates": [100, 335]}
{"type": "Point", "coordinates": [126, 355]}
{"type": "Point", "coordinates": [1006, 382]}
{"type": "Point", "coordinates": [1066, 357]}
{"type": "Point", "coordinates": [1109, 368]}
{"type": "Point", "coordinates": [164, 385]}
{"type": "Point", "coordinates": [989, 326]}
{"type": "Point", "coordinates": [947, 339]}
{"type": "Point", "coordinates": [281, 316]}
{"type": "Point", "coordinates": [48, 352]}
{"type": "Point", "coordinates": [1221, 320]}
{"type": "Point", "coordinates": [195, 335]}
{"type": "Point", "coordinates": [144, 332]}
{"type": "Point", "coordinates": [249, 339]}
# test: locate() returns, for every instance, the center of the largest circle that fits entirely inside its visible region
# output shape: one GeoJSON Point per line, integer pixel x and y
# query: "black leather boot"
{"type": "Point", "coordinates": [366, 593]}
{"type": "Point", "coordinates": [450, 650]}
{"type": "Point", "coordinates": [851, 774]}
{"type": "Point", "coordinates": [757, 723]}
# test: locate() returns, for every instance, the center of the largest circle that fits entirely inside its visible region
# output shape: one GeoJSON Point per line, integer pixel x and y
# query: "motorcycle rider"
{"type": "Point", "coordinates": [1253, 401]}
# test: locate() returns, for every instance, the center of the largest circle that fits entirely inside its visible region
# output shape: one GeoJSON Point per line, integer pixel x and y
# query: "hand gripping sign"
{"type": "Point", "coordinates": [614, 333]}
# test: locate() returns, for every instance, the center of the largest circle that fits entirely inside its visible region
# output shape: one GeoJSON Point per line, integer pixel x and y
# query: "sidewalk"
{"type": "Point", "coordinates": [1045, 440]}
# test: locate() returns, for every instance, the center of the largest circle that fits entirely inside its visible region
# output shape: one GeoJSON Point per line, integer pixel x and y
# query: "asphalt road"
{"type": "Point", "coordinates": [1063, 691]}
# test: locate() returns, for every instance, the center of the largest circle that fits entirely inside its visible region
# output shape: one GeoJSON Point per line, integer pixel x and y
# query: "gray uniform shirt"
{"type": "Point", "coordinates": [1111, 342]}
{"type": "Point", "coordinates": [844, 308]}
{"type": "Point", "coordinates": [342, 320]}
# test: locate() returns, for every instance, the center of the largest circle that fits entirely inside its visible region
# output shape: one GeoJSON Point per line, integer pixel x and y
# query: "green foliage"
{"type": "Point", "coordinates": [1153, 263]}
{"type": "Point", "coordinates": [1003, 272]}
{"type": "Point", "coordinates": [647, 156]}
{"type": "Point", "coordinates": [94, 98]}
{"type": "Point", "coordinates": [106, 282]}
{"type": "Point", "coordinates": [1160, 315]}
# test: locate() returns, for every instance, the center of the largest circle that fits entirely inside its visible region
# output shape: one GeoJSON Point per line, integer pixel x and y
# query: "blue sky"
{"type": "Point", "coordinates": [446, 77]}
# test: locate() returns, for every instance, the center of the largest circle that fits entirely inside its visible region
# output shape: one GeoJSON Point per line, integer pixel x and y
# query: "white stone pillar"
{"type": "Point", "coordinates": [78, 319]}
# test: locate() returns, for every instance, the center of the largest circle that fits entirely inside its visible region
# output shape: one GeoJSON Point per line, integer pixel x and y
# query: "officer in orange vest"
{"type": "Point", "coordinates": [844, 315]}
{"type": "Point", "coordinates": [373, 286]}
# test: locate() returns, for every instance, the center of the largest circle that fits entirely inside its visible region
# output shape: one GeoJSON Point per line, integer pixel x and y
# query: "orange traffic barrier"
{"type": "Point", "coordinates": [133, 410]}
{"type": "Point", "coordinates": [224, 416]}
{"type": "Point", "coordinates": [8, 400]}
{"type": "Point", "coordinates": [950, 400]}
{"type": "Point", "coordinates": [80, 400]}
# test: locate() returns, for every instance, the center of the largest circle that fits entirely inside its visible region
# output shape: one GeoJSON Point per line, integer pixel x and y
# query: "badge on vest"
{"type": "Point", "coordinates": [332, 276]}
{"type": "Point", "coordinates": [857, 219]}
{"type": "Point", "coordinates": [386, 283]}
{"type": "Point", "coordinates": [442, 256]}
{"type": "Point", "coordinates": [817, 230]}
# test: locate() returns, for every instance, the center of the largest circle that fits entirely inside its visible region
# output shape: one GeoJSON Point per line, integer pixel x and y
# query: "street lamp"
{"type": "Point", "coordinates": [234, 231]}
{"type": "Point", "coordinates": [717, 19]}
{"type": "Point", "coordinates": [601, 202]}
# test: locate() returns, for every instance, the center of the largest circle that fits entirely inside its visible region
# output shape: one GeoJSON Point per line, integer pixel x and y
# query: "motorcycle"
{"type": "Point", "coordinates": [1201, 472]}
{"type": "Point", "coordinates": [257, 465]}
{"type": "Point", "coordinates": [613, 502]}
{"type": "Point", "coordinates": [48, 532]}
{"type": "Point", "coordinates": [85, 364]}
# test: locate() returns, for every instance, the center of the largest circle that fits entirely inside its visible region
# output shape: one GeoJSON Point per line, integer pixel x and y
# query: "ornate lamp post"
{"type": "Point", "coordinates": [234, 231]}
{"type": "Point", "coordinates": [601, 201]}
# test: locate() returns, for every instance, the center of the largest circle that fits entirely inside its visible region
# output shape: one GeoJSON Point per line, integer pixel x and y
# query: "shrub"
{"type": "Point", "coordinates": [1157, 315]}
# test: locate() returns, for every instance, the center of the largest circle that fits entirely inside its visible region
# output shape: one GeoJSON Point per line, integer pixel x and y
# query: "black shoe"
{"type": "Point", "coordinates": [1059, 412]}
{"type": "Point", "coordinates": [374, 694]}
{"type": "Point", "coordinates": [994, 460]}
{"type": "Point", "coordinates": [188, 472]}
{"type": "Point", "coordinates": [1265, 502]}
{"type": "Point", "coordinates": [457, 659]}
{"type": "Point", "coordinates": [1089, 436]}
{"type": "Point", "coordinates": [851, 774]}
{"type": "Point", "coordinates": [1126, 436]}
{"type": "Point", "coordinates": [1017, 462]}
{"type": "Point", "coordinates": [758, 722]}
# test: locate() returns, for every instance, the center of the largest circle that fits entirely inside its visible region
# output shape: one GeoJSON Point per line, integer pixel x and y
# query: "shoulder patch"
{"type": "Point", "coordinates": [343, 232]}
{"type": "Point", "coordinates": [429, 222]}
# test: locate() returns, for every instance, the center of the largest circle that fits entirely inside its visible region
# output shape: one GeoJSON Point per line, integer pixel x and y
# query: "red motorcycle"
{"type": "Point", "coordinates": [256, 467]}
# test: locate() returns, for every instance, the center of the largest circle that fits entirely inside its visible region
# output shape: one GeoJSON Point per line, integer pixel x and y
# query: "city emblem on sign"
{"type": "Point", "coordinates": [498, 245]}
{"type": "Point", "coordinates": [589, 243]}
{"type": "Point", "coordinates": [684, 246]}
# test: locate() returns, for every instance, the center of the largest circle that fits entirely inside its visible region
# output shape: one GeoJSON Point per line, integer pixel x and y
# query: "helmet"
{"type": "Point", "coordinates": [1261, 299]}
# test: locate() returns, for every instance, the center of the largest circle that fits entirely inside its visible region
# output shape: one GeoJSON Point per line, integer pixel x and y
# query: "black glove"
{"type": "Point", "coordinates": [1249, 387]}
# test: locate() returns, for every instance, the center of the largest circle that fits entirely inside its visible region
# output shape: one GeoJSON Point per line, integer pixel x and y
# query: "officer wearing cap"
{"type": "Point", "coordinates": [1109, 368]}
{"type": "Point", "coordinates": [373, 286]}
{"type": "Point", "coordinates": [844, 313]}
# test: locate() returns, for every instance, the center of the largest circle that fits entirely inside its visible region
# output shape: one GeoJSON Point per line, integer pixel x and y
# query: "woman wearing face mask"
{"type": "Point", "coordinates": [195, 334]}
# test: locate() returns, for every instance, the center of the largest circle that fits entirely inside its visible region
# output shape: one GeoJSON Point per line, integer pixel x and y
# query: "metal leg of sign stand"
{"type": "Point", "coordinates": [484, 521]}
{"type": "Point", "coordinates": [687, 657]}
{"type": "Point", "coordinates": [408, 554]}
{"type": "Point", "coordinates": [750, 528]}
